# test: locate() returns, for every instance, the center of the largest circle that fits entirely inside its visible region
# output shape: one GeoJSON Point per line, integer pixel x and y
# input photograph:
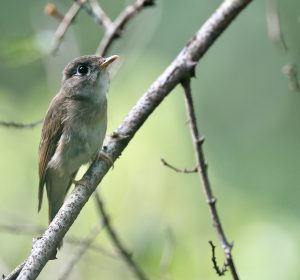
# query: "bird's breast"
{"type": "Point", "coordinates": [86, 140]}
{"type": "Point", "coordinates": [82, 138]}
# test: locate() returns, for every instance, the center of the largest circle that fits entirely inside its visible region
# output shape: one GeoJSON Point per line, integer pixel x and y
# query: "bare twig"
{"type": "Point", "coordinates": [94, 10]}
{"type": "Point", "coordinates": [51, 10]}
{"type": "Point", "coordinates": [126, 256]}
{"type": "Point", "coordinates": [273, 23]}
{"type": "Point", "coordinates": [84, 245]}
{"type": "Point", "coordinates": [167, 255]}
{"type": "Point", "coordinates": [67, 20]}
{"type": "Point", "coordinates": [174, 74]}
{"type": "Point", "coordinates": [95, 16]}
{"type": "Point", "coordinates": [118, 25]}
{"type": "Point", "coordinates": [72, 240]}
{"type": "Point", "coordinates": [185, 171]}
{"type": "Point", "coordinates": [202, 171]}
{"type": "Point", "coordinates": [20, 125]}
{"type": "Point", "coordinates": [15, 273]}
{"type": "Point", "coordinates": [107, 23]}
{"type": "Point", "coordinates": [220, 271]}
{"type": "Point", "coordinates": [290, 70]}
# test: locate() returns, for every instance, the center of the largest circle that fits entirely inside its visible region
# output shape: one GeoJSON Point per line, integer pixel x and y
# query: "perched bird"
{"type": "Point", "coordinates": [74, 127]}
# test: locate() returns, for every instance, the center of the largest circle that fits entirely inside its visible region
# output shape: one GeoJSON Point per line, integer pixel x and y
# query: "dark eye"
{"type": "Point", "coordinates": [82, 70]}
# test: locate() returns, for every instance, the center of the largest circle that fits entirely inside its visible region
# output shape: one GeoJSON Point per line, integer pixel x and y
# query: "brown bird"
{"type": "Point", "coordinates": [74, 127]}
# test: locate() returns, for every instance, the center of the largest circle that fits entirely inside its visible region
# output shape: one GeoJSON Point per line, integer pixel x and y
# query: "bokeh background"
{"type": "Point", "coordinates": [245, 109]}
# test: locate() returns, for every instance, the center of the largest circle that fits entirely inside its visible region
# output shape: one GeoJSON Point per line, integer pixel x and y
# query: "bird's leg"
{"type": "Point", "coordinates": [75, 182]}
{"type": "Point", "coordinates": [117, 136]}
{"type": "Point", "coordinates": [72, 178]}
{"type": "Point", "coordinates": [104, 156]}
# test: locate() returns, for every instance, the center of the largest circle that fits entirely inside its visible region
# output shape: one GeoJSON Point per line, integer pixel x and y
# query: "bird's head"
{"type": "Point", "coordinates": [86, 75]}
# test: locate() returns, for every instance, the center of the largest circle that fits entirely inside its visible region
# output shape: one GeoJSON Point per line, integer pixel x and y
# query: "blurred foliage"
{"type": "Point", "coordinates": [245, 109]}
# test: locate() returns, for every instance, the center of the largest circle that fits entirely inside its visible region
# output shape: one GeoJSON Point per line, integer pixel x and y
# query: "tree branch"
{"type": "Point", "coordinates": [106, 21]}
{"type": "Point", "coordinates": [85, 244]}
{"type": "Point", "coordinates": [14, 274]}
{"type": "Point", "coordinates": [167, 254]}
{"type": "Point", "coordinates": [185, 171]}
{"type": "Point", "coordinates": [98, 19]}
{"type": "Point", "coordinates": [64, 25]}
{"type": "Point", "coordinates": [182, 66]}
{"type": "Point", "coordinates": [290, 70]}
{"type": "Point", "coordinates": [202, 171]}
{"type": "Point", "coordinates": [220, 271]}
{"type": "Point", "coordinates": [126, 256]}
{"type": "Point", "coordinates": [70, 239]}
{"type": "Point", "coordinates": [13, 124]}
{"type": "Point", "coordinates": [117, 26]}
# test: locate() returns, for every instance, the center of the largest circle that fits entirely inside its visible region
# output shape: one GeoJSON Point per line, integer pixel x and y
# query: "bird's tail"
{"type": "Point", "coordinates": [57, 187]}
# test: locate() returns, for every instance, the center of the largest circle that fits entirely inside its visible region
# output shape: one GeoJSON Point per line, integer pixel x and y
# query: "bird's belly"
{"type": "Point", "coordinates": [78, 147]}
{"type": "Point", "coordinates": [83, 149]}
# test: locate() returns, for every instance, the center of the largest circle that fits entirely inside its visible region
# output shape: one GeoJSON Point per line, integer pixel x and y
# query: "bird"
{"type": "Point", "coordinates": [74, 127]}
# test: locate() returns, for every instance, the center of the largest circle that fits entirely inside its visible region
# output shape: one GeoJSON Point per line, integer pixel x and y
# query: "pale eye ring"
{"type": "Point", "coordinates": [82, 70]}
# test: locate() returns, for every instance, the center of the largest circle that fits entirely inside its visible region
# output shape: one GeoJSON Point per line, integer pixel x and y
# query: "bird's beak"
{"type": "Point", "coordinates": [108, 61]}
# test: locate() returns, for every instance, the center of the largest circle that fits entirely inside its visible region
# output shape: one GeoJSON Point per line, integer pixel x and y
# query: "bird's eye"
{"type": "Point", "coordinates": [82, 70]}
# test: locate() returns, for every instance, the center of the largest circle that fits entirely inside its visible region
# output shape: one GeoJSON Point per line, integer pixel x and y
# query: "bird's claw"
{"type": "Point", "coordinates": [117, 136]}
{"type": "Point", "coordinates": [104, 156]}
{"type": "Point", "coordinates": [75, 182]}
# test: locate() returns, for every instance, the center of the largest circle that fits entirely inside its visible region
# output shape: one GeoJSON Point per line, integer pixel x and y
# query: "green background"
{"type": "Point", "coordinates": [245, 109]}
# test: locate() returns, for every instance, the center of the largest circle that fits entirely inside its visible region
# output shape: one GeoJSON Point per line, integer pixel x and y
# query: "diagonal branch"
{"type": "Point", "coordinates": [167, 254]}
{"type": "Point", "coordinates": [202, 171]}
{"type": "Point", "coordinates": [181, 67]}
{"type": "Point", "coordinates": [116, 28]}
{"type": "Point", "coordinates": [84, 246]}
{"type": "Point", "coordinates": [25, 229]}
{"type": "Point", "coordinates": [14, 274]}
{"type": "Point", "coordinates": [107, 23]}
{"type": "Point", "coordinates": [93, 9]}
{"type": "Point", "coordinates": [91, 12]}
{"type": "Point", "coordinates": [64, 25]}
{"type": "Point", "coordinates": [126, 256]}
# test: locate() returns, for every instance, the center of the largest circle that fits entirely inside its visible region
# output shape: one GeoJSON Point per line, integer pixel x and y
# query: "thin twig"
{"type": "Point", "coordinates": [84, 5]}
{"type": "Point", "coordinates": [13, 124]}
{"type": "Point", "coordinates": [167, 255]}
{"type": "Point", "coordinates": [83, 247]}
{"type": "Point", "coordinates": [97, 9]}
{"type": "Point", "coordinates": [220, 271]}
{"type": "Point", "coordinates": [15, 273]}
{"type": "Point", "coordinates": [202, 171]}
{"type": "Point", "coordinates": [173, 75]}
{"type": "Point", "coordinates": [290, 70]}
{"type": "Point", "coordinates": [51, 10]}
{"type": "Point", "coordinates": [118, 25]}
{"type": "Point", "coordinates": [273, 23]}
{"type": "Point", "coordinates": [67, 20]}
{"type": "Point", "coordinates": [115, 239]}
{"type": "Point", "coordinates": [70, 239]}
{"type": "Point", "coordinates": [185, 170]}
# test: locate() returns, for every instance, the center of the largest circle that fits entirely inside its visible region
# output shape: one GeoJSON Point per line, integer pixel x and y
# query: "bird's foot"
{"type": "Point", "coordinates": [118, 136]}
{"type": "Point", "coordinates": [75, 182]}
{"type": "Point", "coordinates": [107, 158]}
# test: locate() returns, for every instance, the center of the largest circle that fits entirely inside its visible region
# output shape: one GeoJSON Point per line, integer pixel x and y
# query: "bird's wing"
{"type": "Point", "coordinates": [51, 133]}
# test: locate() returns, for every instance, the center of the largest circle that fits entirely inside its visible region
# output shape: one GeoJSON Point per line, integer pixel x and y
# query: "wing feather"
{"type": "Point", "coordinates": [51, 133]}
